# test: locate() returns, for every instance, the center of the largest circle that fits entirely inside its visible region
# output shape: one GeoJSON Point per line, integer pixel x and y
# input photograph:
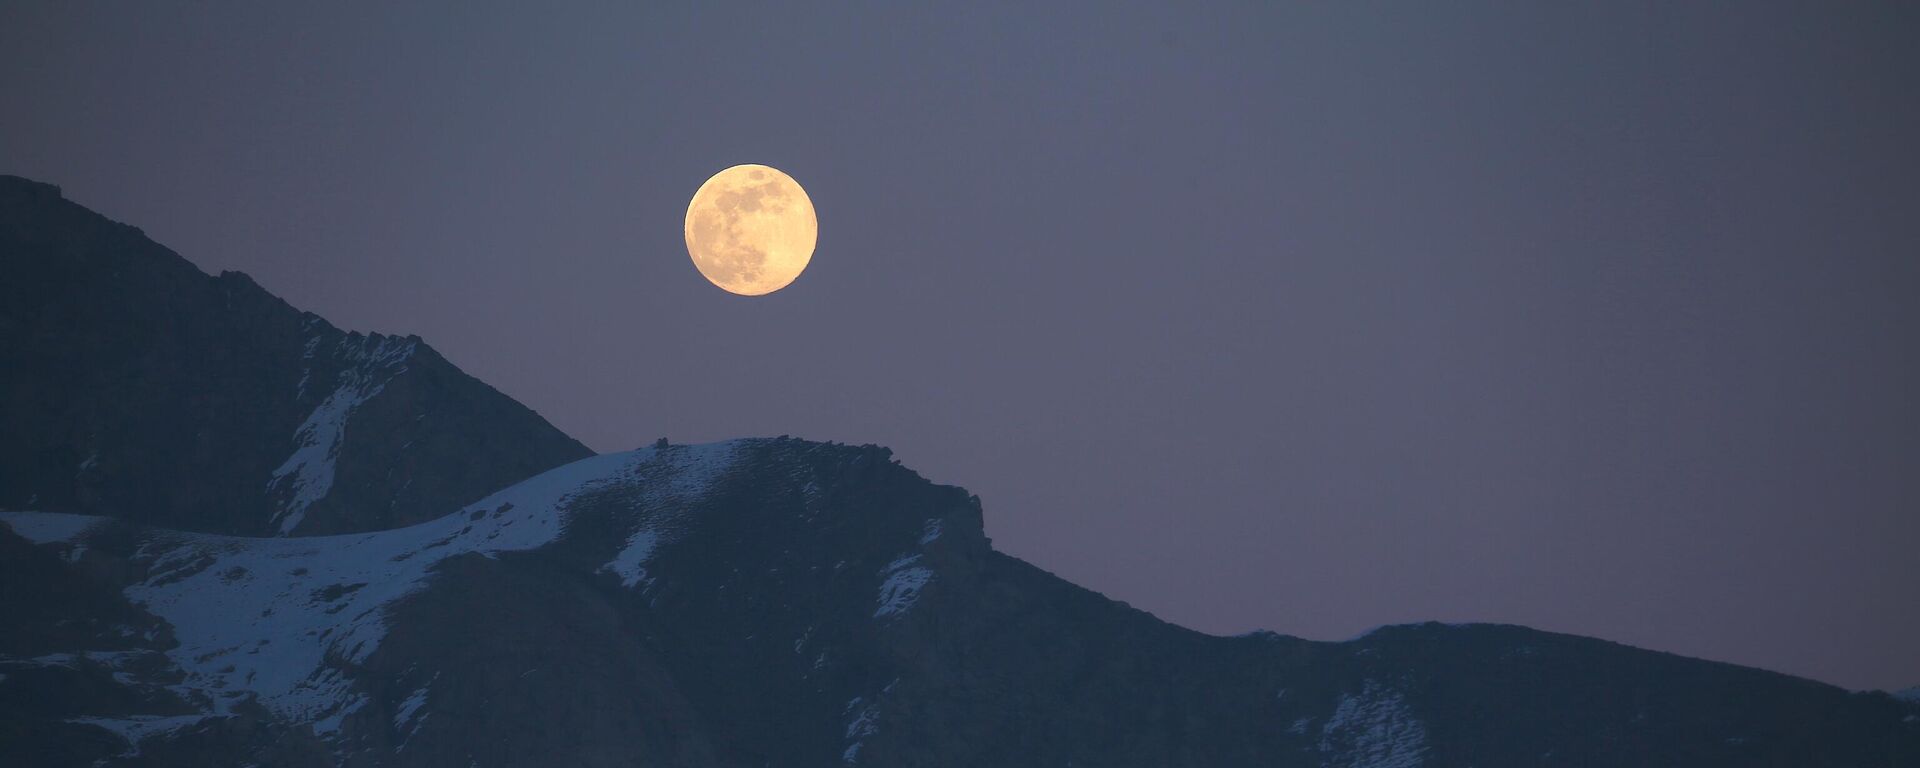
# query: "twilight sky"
{"type": "Point", "coordinates": [1309, 317]}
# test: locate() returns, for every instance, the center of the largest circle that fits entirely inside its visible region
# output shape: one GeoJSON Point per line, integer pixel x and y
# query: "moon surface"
{"type": "Point", "coordinates": [751, 230]}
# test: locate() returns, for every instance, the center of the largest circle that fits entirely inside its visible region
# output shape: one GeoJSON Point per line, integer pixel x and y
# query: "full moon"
{"type": "Point", "coordinates": [751, 230]}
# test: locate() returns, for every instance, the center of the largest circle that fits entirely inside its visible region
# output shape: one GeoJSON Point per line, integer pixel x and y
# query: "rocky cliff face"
{"type": "Point", "coordinates": [762, 602]}
{"type": "Point", "coordinates": [138, 387]}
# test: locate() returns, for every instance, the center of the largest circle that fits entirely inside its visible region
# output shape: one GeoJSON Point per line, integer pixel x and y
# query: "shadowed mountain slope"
{"type": "Point", "coordinates": [136, 386]}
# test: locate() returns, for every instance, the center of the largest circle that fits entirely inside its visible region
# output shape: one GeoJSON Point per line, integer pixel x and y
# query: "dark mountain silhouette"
{"type": "Point", "coordinates": [139, 387]}
{"type": "Point", "coordinates": [750, 603]}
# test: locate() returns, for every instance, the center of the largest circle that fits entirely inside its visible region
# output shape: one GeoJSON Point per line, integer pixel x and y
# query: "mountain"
{"type": "Point", "coordinates": [137, 386]}
{"type": "Point", "coordinates": [781, 602]}
{"type": "Point", "coordinates": [757, 602]}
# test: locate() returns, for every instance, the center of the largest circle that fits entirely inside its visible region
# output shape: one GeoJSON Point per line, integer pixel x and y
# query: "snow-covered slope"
{"type": "Point", "coordinates": [284, 621]}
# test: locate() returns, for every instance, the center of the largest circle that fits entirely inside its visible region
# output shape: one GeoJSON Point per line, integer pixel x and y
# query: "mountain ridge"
{"type": "Point", "coordinates": [776, 600]}
{"type": "Point", "coordinates": [143, 387]}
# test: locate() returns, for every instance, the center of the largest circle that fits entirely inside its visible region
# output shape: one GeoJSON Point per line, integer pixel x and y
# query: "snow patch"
{"type": "Point", "coordinates": [631, 563]}
{"type": "Point", "coordinates": [307, 475]}
{"type": "Point", "coordinates": [306, 357]}
{"type": "Point", "coordinates": [281, 617]}
{"type": "Point", "coordinates": [1373, 729]}
{"type": "Point", "coordinates": [932, 530]}
{"type": "Point", "coordinates": [137, 728]}
{"type": "Point", "coordinates": [864, 723]}
{"type": "Point", "coordinates": [403, 717]}
{"type": "Point", "coordinates": [49, 527]}
{"type": "Point", "coordinates": [901, 589]}
{"type": "Point", "coordinates": [116, 661]}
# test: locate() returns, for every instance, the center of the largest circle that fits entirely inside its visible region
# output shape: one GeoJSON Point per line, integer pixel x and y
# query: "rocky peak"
{"type": "Point", "coordinates": [140, 387]}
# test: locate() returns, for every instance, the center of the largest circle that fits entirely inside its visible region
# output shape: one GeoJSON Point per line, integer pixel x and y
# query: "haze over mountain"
{"type": "Point", "coordinates": [178, 448]}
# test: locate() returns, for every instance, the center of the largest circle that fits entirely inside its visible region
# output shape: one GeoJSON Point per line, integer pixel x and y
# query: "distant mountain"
{"type": "Point", "coordinates": [759, 602]}
{"type": "Point", "coordinates": [138, 387]}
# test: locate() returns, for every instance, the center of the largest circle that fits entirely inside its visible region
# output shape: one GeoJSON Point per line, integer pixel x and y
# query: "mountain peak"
{"type": "Point", "coordinates": [146, 389]}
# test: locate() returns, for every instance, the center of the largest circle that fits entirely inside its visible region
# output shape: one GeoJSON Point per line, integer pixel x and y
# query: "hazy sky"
{"type": "Point", "coordinates": [1308, 317]}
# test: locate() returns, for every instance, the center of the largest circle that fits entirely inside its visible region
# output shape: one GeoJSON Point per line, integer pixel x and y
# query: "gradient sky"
{"type": "Point", "coordinates": [1309, 317]}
